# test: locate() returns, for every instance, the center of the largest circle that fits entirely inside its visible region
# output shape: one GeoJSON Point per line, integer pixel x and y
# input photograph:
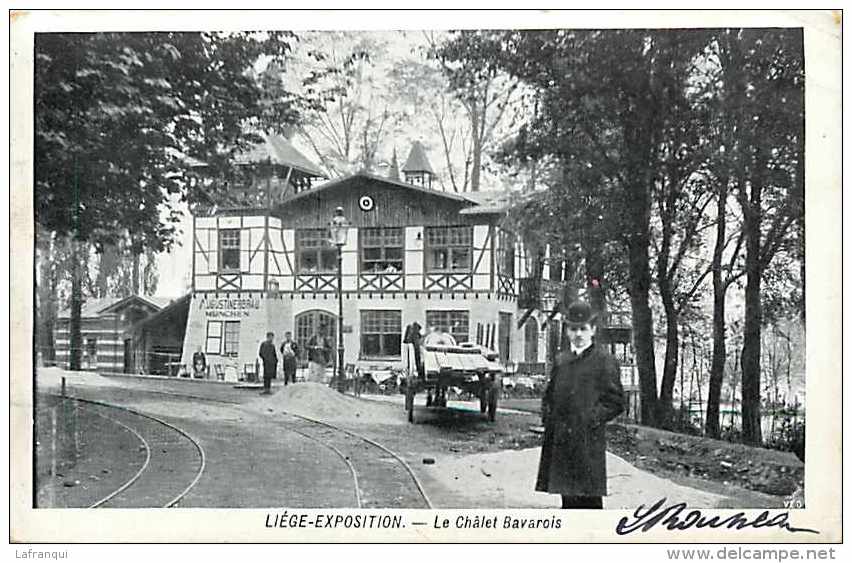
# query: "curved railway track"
{"type": "Point", "coordinates": [174, 460]}
{"type": "Point", "coordinates": [381, 478]}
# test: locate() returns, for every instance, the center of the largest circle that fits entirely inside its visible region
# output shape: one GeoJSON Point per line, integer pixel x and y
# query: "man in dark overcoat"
{"type": "Point", "coordinates": [583, 394]}
{"type": "Point", "coordinates": [270, 361]}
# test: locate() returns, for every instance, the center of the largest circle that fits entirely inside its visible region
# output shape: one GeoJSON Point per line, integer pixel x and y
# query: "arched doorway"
{"type": "Point", "coordinates": [309, 323]}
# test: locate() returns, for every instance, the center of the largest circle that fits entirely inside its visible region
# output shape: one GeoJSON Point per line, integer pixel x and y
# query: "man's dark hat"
{"type": "Point", "coordinates": [579, 313]}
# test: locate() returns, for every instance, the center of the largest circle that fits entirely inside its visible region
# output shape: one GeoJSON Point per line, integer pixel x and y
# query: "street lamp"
{"type": "Point", "coordinates": [338, 229]}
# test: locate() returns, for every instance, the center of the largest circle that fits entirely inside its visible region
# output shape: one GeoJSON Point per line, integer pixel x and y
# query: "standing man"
{"type": "Point", "coordinates": [583, 394]}
{"type": "Point", "coordinates": [270, 361]}
{"type": "Point", "coordinates": [319, 351]}
{"type": "Point", "coordinates": [289, 353]}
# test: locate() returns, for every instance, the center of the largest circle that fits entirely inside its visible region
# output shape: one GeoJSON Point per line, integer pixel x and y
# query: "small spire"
{"type": "Point", "coordinates": [418, 170]}
{"type": "Point", "coordinates": [393, 174]}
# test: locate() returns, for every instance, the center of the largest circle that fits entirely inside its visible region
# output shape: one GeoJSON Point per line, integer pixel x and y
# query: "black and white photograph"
{"type": "Point", "coordinates": [473, 266]}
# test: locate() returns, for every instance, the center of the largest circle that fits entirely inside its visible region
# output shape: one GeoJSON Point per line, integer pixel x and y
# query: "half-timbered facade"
{"type": "Point", "coordinates": [413, 254]}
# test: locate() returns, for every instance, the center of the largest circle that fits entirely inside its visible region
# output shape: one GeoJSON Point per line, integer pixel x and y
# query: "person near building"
{"type": "Point", "coordinates": [437, 337]}
{"type": "Point", "coordinates": [270, 361]}
{"type": "Point", "coordinates": [289, 353]}
{"type": "Point", "coordinates": [583, 394]}
{"type": "Point", "coordinates": [413, 341]}
{"type": "Point", "coordinates": [319, 353]}
{"type": "Point", "coordinates": [199, 364]}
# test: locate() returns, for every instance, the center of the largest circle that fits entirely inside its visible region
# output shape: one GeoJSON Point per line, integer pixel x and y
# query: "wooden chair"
{"type": "Point", "coordinates": [220, 372]}
{"type": "Point", "coordinates": [250, 372]}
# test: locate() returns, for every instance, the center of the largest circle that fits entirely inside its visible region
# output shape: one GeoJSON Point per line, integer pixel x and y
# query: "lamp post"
{"type": "Point", "coordinates": [338, 229]}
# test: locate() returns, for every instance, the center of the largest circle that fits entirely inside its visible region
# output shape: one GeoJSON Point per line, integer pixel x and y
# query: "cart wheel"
{"type": "Point", "coordinates": [492, 404]}
{"type": "Point", "coordinates": [409, 402]}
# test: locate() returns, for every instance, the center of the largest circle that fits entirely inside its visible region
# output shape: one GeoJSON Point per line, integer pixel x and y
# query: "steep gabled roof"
{"type": "Point", "coordinates": [395, 183]}
{"type": "Point", "coordinates": [417, 160]}
{"type": "Point", "coordinates": [280, 151]}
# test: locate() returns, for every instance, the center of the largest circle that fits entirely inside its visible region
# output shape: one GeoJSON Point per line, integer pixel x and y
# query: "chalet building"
{"type": "Point", "coordinates": [104, 323]}
{"type": "Point", "coordinates": [413, 254]}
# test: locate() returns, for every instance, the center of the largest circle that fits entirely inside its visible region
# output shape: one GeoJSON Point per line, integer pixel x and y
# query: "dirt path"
{"type": "Point", "coordinates": [462, 459]}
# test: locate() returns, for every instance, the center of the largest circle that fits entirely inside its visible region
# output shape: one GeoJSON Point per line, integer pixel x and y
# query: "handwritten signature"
{"type": "Point", "coordinates": [676, 517]}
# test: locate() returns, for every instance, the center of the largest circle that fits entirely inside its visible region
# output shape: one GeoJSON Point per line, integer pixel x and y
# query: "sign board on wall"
{"type": "Point", "coordinates": [229, 308]}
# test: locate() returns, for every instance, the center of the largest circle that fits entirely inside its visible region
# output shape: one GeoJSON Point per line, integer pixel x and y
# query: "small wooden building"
{"type": "Point", "coordinates": [104, 322]}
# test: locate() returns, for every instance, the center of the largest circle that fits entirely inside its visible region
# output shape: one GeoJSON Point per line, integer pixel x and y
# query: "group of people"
{"type": "Point", "coordinates": [319, 355]}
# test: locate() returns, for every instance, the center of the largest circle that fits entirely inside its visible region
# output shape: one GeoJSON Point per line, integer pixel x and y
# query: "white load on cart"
{"type": "Point", "coordinates": [470, 367]}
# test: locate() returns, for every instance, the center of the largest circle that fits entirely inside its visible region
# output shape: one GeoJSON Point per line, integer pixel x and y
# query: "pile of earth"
{"type": "Point", "coordinates": [758, 469]}
{"type": "Point", "coordinates": [319, 401]}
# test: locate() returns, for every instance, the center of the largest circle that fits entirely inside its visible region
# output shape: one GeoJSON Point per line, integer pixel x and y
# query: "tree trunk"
{"type": "Point", "coordinates": [475, 126]}
{"type": "Point", "coordinates": [136, 259]}
{"type": "Point", "coordinates": [75, 351]}
{"type": "Point", "coordinates": [643, 326]}
{"type": "Point", "coordinates": [717, 365]}
{"type": "Point", "coordinates": [665, 406]}
{"type": "Point", "coordinates": [750, 360]}
{"type": "Point", "coordinates": [596, 291]}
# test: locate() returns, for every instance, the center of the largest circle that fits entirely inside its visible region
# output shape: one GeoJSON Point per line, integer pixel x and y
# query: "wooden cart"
{"type": "Point", "coordinates": [469, 367]}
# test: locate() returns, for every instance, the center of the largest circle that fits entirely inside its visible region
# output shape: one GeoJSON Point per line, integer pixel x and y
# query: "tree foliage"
{"type": "Point", "coordinates": [120, 118]}
{"type": "Point", "coordinates": [117, 115]}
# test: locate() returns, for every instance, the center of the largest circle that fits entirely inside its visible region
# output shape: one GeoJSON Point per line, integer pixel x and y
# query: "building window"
{"type": "Point", "coordinates": [449, 249]}
{"type": "Point", "coordinates": [315, 252]}
{"type": "Point", "coordinates": [381, 333]}
{"type": "Point", "coordinates": [229, 249]}
{"type": "Point", "coordinates": [506, 254]}
{"type": "Point", "coordinates": [232, 338]}
{"type": "Point", "coordinates": [381, 250]}
{"type": "Point", "coordinates": [214, 338]}
{"type": "Point", "coordinates": [455, 323]}
{"type": "Point", "coordinates": [223, 337]}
